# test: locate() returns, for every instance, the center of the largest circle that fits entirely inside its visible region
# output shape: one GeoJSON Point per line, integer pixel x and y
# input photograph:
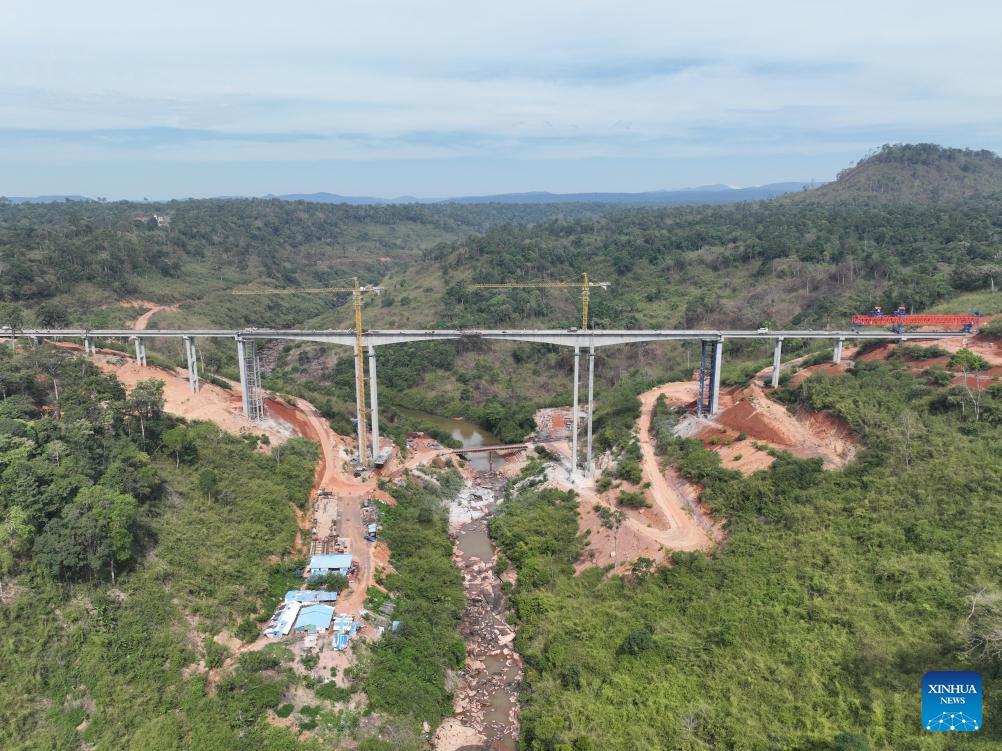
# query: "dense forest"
{"type": "Point", "coordinates": [131, 541]}
{"type": "Point", "coordinates": [811, 627]}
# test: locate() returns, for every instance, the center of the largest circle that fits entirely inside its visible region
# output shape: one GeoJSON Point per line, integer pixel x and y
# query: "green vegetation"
{"type": "Point", "coordinates": [404, 675]}
{"type": "Point", "coordinates": [631, 499]}
{"type": "Point", "coordinates": [117, 570]}
{"type": "Point", "coordinates": [840, 588]}
{"type": "Point", "coordinates": [914, 173]}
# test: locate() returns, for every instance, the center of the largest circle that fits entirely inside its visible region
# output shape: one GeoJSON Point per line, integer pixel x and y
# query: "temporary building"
{"type": "Point", "coordinates": [281, 623]}
{"type": "Point", "coordinates": [343, 623]}
{"type": "Point", "coordinates": [314, 618]}
{"type": "Point", "coordinates": [340, 642]}
{"type": "Point", "coordinates": [338, 563]}
{"type": "Point", "coordinates": [309, 595]}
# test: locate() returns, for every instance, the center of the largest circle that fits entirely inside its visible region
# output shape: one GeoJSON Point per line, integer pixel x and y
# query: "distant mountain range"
{"type": "Point", "coordinates": [700, 195]}
{"type": "Point", "coordinates": [45, 199]}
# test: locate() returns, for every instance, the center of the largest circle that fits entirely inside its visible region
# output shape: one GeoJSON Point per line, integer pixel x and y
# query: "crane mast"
{"type": "Point", "coordinates": [357, 291]}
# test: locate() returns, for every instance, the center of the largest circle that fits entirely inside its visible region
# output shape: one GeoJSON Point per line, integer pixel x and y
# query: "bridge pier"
{"type": "Point", "coordinates": [89, 347]}
{"type": "Point", "coordinates": [718, 355]}
{"type": "Point", "coordinates": [574, 413]}
{"type": "Point", "coordinates": [359, 400]}
{"type": "Point", "coordinates": [373, 403]}
{"type": "Point", "coordinates": [591, 405]}
{"type": "Point", "coordinates": [777, 358]}
{"type": "Point", "coordinates": [189, 350]}
{"type": "Point", "coordinates": [837, 356]}
{"type": "Point", "coordinates": [140, 350]}
{"type": "Point", "coordinates": [242, 364]}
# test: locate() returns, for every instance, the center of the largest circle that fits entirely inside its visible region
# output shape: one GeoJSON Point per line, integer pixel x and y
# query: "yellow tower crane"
{"type": "Point", "coordinates": [584, 285]}
{"type": "Point", "coordinates": [357, 292]}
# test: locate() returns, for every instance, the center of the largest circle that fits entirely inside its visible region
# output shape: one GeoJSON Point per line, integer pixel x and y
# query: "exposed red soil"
{"type": "Point", "coordinates": [831, 368]}
{"type": "Point", "coordinates": [807, 434]}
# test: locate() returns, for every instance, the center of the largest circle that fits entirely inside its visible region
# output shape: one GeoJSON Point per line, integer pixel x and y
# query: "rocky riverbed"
{"type": "Point", "coordinates": [486, 702]}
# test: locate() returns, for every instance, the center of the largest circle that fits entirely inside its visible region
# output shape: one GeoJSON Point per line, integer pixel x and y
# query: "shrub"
{"type": "Point", "coordinates": [633, 500]}
{"type": "Point", "coordinates": [284, 711]}
{"type": "Point", "coordinates": [329, 582]}
{"type": "Point", "coordinates": [215, 653]}
{"type": "Point", "coordinates": [992, 329]}
{"type": "Point", "coordinates": [629, 470]}
{"type": "Point", "coordinates": [637, 641]}
{"type": "Point", "coordinates": [247, 631]}
{"type": "Point", "coordinates": [968, 360]}
{"type": "Point", "coordinates": [310, 660]}
{"type": "Point", "coordinates": [333, 693]}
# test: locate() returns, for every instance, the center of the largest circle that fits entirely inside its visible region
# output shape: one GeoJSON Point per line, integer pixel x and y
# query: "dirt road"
{"type": "Point", "coordinates": [143, 321]}
{"type": "Point", "coordinates": [684, 532]}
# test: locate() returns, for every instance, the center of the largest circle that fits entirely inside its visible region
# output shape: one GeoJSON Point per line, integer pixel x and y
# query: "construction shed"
{"type": "Point", "coordinates": [281, 623]}
{"type": "Point", "coordinates": [314, 619]}
{"type": "Point", "coordinates": [329, 563]}
{"type": "Point", "coordinates": [309, 595]}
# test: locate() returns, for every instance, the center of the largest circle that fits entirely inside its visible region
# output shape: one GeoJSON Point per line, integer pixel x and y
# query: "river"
{"type": "Point", "coordinates": [486, 698]}
{"type": "Point", "coordinates": [467, 433]}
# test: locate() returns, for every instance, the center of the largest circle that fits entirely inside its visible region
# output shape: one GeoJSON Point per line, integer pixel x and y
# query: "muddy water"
{"type": "Point", "coordinates": [467, 433]}
{"type": "Point", "coordinates": [487, 697]}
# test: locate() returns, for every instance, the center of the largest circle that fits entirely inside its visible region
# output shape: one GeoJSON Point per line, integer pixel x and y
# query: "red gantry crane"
{"type": "Point", "coordinates": [896, 321]}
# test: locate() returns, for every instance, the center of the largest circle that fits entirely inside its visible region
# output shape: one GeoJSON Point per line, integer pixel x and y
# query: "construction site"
{"type": "Point", "coordinates": [340, 530]}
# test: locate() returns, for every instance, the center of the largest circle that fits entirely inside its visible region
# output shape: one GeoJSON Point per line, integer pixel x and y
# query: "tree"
{"type": "Point", "coordinates": [911, 426]}
{"type": "Point", "coordinates": [982, 630]}
{"type": "Point", "coordinates": [146, 402]}
{"type": "Point", "coordinates": [12, 317]}
{"type": "Point", "coordinates": [52, 316]}
{"type": "Point", "coordinates": [180, 442]}
{"type": "Point", "coordinates": [91, 535]}
{"type": "Point", "coordinates": [15, 533]}
{"type": "Point", "coordinates": [208, 483]}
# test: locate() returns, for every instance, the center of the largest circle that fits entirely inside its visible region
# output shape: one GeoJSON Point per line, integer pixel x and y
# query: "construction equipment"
{"type": "Point", "coordinates": [584, 285]}
{"type": "Point", "coordinates": [896, 321]}
{"type": "Point", "coordinates": [357, 291]}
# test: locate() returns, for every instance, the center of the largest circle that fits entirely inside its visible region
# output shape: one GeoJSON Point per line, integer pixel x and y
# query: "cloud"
{"type": "Point", "coordinates": [227, 81]}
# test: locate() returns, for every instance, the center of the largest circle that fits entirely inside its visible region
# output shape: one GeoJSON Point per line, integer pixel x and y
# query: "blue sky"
{"type": "Point", "coordinates": [438, 98]}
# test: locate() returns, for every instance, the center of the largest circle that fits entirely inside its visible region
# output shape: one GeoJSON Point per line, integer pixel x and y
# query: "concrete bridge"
{"type": "Point", "coordinates": [712, 342]}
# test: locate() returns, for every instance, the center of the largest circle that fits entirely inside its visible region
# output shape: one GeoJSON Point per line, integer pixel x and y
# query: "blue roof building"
{"type": "Point", "coordinates": [330, 564]}
{"type": "Point", "coordinates": [309, 595]}
{"type": "Point", "coordinates": [314, 618]}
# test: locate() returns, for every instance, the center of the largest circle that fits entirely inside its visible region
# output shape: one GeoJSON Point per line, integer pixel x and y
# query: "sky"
{"type": "Point", "coordinates": [430, 98]}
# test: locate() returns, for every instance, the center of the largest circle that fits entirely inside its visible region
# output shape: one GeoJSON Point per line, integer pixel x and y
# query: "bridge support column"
{"type": "Point", "coordinates": [189, 350]}
{"type": "Point", "coordinates": [591, 405]}
{"type": "Point", "coordinates": [574, 413]}
{"type": "Point", "coordinates": [837, 356]}
{"type": "Point", "coordinates": [244, 385]}
{"type": "Point", "coordinates": [718, 355]}
{"type": "Point", "coordinates": [140, 351]}
{"type": "Point", "coordinates": [89, 347]}
{"type": "Point", "coordinates": [777, 359]}
{"type": "Point", "coordinates": [373, 403]}
{"type": "Point", "coordinates": [359, 400]}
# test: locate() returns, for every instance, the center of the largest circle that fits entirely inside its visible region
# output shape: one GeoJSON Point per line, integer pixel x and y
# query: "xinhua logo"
{"type": "Point", "coordinates": [951, 700]}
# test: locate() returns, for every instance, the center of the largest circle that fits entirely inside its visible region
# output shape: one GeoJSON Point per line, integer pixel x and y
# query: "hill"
{"type": "Point", "coordinates": [915, 173]}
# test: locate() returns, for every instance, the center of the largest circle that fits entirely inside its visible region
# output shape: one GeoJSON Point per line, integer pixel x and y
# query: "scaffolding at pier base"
{"type": "Point", "coordinates": [707, 363]}
{"type": "Point", "coordinates": [255, 395]}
